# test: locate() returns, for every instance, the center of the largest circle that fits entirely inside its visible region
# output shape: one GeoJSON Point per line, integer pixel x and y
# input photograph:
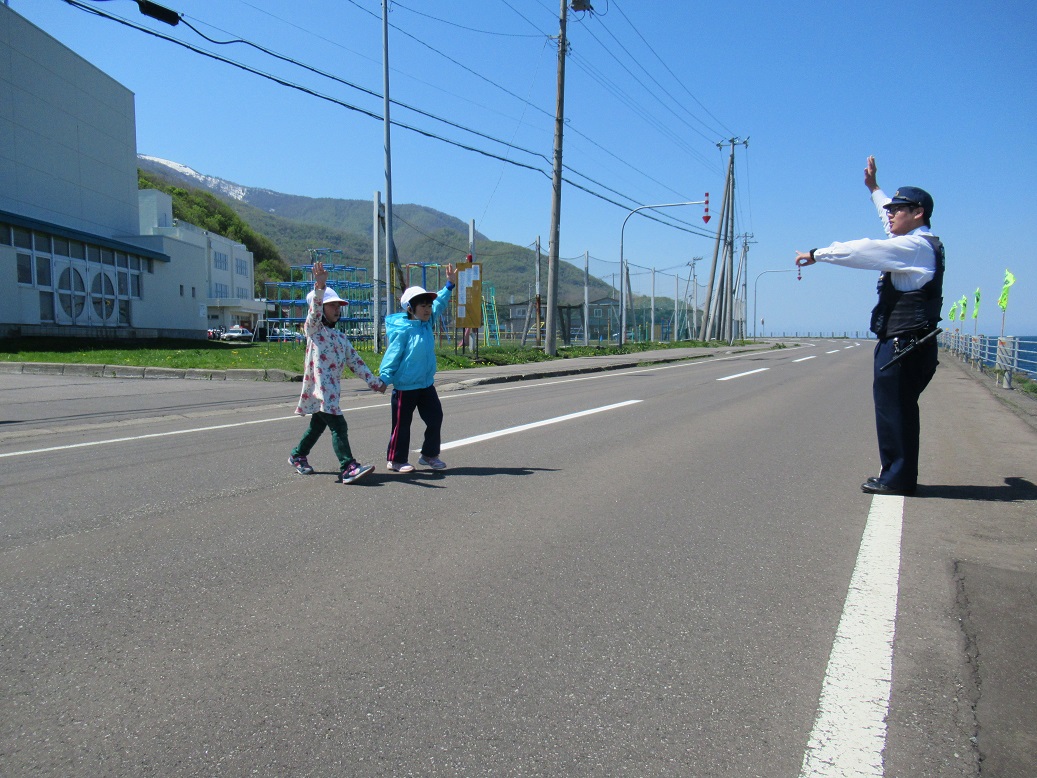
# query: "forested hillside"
{"type": "Point", "coordinates": [280, 230]}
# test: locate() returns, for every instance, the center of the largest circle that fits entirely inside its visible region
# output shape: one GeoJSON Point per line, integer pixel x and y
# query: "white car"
{"type": "Point", "coordinates": [237, 333]}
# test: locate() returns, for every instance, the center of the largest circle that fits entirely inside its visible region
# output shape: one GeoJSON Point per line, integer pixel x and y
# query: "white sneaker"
{"type": "Point", "coordinates": [400, 467]}
{"type": "Point", "coordinates": [434, 462]}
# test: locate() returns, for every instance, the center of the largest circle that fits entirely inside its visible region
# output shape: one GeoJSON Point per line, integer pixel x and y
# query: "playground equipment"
{"type": "Point", "coordinates": [288, 298]}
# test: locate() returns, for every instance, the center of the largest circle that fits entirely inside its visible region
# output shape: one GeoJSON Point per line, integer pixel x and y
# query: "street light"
{"type": "Point", "coordinates": [623, 267]}
{"type": "Point", "coordinates": [755, 283]}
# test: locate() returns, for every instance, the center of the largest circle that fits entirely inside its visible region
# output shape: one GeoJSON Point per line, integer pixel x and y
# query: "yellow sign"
{"type": "Point", "coordinates": [469, 295]}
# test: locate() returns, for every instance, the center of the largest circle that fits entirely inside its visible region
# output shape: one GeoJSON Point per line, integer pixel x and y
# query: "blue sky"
{"type": "Point", "coordinates": [942, 94]}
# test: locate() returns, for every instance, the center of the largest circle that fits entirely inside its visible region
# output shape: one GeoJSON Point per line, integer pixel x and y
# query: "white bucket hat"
{"type": "Point", "coordinates": [407, 298]}
{"type": "Point", "coordinates": [329, 297]}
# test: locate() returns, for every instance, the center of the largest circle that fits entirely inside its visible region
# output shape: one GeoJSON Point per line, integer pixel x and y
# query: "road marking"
{"type": "Point", "coordinates": [739, 375]}
{"type": "Point", "coordinates": [141, 437]}
{"type": "Point", "coordinates": [804, 359]}
{"type": "Point", "coordinates": [533, 425]}
{"type": "Point", "coordinates": [833, 351]}
{"type": "Point", "coordinates": [850, 729]}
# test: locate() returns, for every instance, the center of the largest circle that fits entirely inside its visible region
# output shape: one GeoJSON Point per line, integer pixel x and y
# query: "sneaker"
{"type": "Point", "coordinates": [300, 464]}
{"type": "Point", "coordinates": [354, 472]}
{"type": "Point", "coordinates": [400, 467]}
{"type": "Point", "coordinates": [434, 462]}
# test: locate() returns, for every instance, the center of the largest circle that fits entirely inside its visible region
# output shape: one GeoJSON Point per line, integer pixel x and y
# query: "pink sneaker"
{"type": "Point", "coordinates": [355, 471]}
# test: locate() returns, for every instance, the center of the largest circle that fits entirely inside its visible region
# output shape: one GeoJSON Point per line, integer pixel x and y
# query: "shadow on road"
{"type": "Point", "coordinates": [1014, 490]}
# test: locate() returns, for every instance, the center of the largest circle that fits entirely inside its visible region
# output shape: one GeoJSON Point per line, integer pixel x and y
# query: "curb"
{"type": "Point", "coordinates": [131, 371]}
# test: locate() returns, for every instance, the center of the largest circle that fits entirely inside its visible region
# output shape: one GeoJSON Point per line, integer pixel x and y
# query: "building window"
{"type": "Point", "coordinates": [241, 267]}
{"type": "Point", "coordinates": [42, 242]}
{"type": "Point", "coordinates": [46, 306]}
{"type": "Point", "coordinates": [220, 260]}
{"type": "Point", "coordinates": [102, 295]}
{"type": "Point", "coordinates": [25, 269]}
{"type": "Point", "coordinates": [5, 235]}
{"type": "Point", "coordinates": [22, 238]}
{"type": "Point", "coordinates": [43, 277]}
{"type": "Point", "coordinates": [242, 293]}
{"type": "Point", "coordinates": [220, 290]}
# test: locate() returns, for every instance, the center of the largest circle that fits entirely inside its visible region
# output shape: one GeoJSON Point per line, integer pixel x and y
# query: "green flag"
{"type": "Point", "coordinates": [964, 303]}
{"type": "Point", "coordinates": [975, 308]}
{"type": "Point", "coordinates": [953, 315]}
{"type": "Point", "coordinates": [1002, 302]}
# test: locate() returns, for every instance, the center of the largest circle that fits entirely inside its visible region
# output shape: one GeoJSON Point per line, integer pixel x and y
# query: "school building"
{"type": "Point", "coordinates": [83, 252]}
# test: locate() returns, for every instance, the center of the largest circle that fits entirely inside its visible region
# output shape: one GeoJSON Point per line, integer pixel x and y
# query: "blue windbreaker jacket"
{"type": "Point", "coordinates": [410, 358]}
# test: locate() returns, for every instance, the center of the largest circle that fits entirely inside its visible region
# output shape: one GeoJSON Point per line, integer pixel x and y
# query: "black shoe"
{"type": "Point", "coordinates": [873, 479]}
{"type": "Point", "coordinates": [877, 487]}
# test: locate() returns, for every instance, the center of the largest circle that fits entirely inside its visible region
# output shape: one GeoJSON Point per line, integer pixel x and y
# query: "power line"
{"type": "Point", "coordinates": [365, 112]}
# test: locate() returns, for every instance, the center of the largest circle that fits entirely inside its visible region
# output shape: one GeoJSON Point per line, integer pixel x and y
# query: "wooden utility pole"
{"type": "Point", "coordinates": [550, 344]}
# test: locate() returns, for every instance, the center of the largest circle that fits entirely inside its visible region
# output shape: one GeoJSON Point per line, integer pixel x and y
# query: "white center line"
{"type": "Point", "coordinates": [833, 351]}
{"type": "Point", "coordinates": [804, 359]}
{"type": "Point", "coordinates": [533, 425]}
{"type": "Point", "coordinates": [850, 729]}
{"type": "Point", "coordinates": [739, 375]}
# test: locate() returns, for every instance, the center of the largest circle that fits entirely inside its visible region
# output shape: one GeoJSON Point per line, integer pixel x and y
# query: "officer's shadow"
{"type": "Point", "coordinates": [1014, 490]}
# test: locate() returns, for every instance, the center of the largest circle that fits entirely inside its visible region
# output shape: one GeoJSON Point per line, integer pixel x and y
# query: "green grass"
{"type": "Point", "coordinates": [1025, 385]}
{"type": "Point", "coordinates": [214, 355]}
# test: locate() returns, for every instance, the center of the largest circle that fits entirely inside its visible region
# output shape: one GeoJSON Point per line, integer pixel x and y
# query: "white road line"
{"type": "Point", "coordinates": [804, 359]}
{"type": "Point", "coordinates": [850, 729]}
{"type": "Point", "coordinates": [739, 375]}
{"type": "Point", "coordinates": [833, 351]}
{"type": "Point", "coordinates": [533, 425]}
{"type": "Point", "coordinates": [142, 437]}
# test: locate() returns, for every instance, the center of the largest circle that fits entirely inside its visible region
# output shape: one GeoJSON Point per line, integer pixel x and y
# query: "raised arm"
{"type": "Point", "coordinates": [871, 175]}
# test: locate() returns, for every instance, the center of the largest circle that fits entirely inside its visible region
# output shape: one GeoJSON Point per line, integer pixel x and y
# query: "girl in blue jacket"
{"type": "Point", "coordinates": [409, 364]}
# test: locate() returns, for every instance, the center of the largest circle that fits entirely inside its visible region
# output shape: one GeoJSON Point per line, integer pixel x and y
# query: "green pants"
{"type": "Point", "coordinates": [339, 437]}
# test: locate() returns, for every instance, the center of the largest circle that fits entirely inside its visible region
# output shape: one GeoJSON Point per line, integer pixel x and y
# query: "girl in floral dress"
{"type": "Point", "coordinates": [328, 351]}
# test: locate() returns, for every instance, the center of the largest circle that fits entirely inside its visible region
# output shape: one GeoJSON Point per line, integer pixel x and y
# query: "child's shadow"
{"type": "Point", "coordinates": [434, 479]}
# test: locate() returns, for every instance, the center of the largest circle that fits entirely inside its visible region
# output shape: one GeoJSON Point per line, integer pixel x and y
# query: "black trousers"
{"type": "Point", "coordinates": [896, 391]}
{"type": "Point", "coordinates": [404, 403]}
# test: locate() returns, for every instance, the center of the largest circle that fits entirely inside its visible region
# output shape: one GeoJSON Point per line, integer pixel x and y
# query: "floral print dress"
{"type": "Point", "coordinates": [328, 352]}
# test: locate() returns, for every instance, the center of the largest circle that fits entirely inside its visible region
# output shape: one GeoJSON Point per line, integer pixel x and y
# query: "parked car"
{"type": "Point", "coordinates": [284, 335]}
{"type": "Point", "coordinates": [237, 333]}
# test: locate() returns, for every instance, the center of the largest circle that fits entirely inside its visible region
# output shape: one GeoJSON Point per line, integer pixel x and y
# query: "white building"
{"type": "Point", "coordinates": [82, 251]}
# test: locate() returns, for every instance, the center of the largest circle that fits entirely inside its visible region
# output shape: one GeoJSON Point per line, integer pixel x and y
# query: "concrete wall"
{"type": "Point", "coordinates": [67, 135]}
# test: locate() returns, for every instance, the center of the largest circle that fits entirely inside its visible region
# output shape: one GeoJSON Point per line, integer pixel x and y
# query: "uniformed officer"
{"type": "Point", "coordinates": [911, 262]}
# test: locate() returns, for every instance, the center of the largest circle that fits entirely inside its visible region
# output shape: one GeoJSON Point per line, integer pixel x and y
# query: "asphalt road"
{"type": "Point", "coordinates": [640, 572]}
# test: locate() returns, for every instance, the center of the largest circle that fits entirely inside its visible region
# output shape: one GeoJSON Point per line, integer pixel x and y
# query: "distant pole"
{"type": "Point", "coordinates": [624, 273]}
{"type": "Point", "coordinates": [550, 347]}
{"type": "Point", "coordinates": [755, 286]}
{"type": "Point", "coordinates": [586, 297]}
{"type": "Point", "coordinates": [389, 248]}
{"type": "Point", "coordinates": [651, 336]}
{"type": "Point", "coordinates": [376, 297]}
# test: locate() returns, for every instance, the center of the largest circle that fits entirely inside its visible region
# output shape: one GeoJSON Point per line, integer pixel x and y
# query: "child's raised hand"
{"type": "Point", "coordinates": [320, 275]}
{"type": "Point", "coordinates": [451, 274]}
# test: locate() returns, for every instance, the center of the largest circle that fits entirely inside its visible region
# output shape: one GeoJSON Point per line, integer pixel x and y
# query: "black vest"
{"type": "Point", "coordinates": [902, 313]}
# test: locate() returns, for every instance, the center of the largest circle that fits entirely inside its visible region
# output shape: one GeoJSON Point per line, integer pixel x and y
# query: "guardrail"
{"type": "Point", "coordinates": [1001, 357]}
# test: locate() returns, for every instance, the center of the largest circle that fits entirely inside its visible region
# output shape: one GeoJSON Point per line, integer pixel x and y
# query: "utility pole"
{"type": "Point", "coordinates": [390, 247]}
{"type": "Point", "coordinates": [719, 304]}
{"type": "Point", "coordinates": [550, 345]}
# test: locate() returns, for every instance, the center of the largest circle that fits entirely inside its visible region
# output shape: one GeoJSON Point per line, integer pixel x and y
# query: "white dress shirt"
{"type": "Point", "coordinates": [909, 259]}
